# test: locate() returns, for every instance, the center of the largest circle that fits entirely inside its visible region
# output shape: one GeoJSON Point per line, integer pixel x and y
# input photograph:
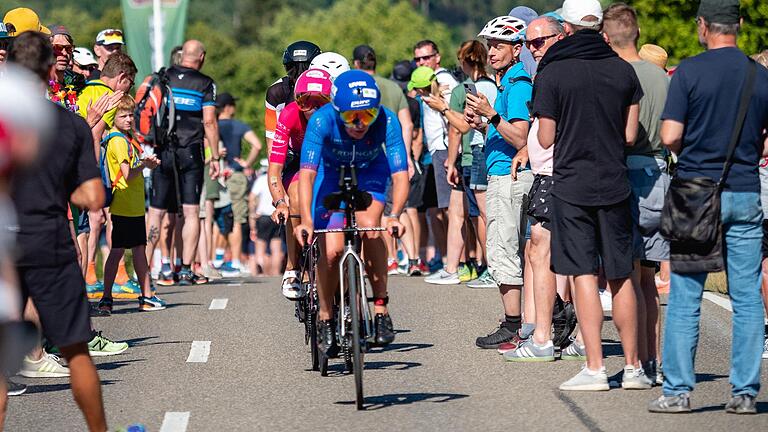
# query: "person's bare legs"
{"type": "Point", "coordinates": [455, 237]}
{"type": "Point", "coordinates": [407, 238]}
{"type": "Point", "coordinates": [110, 270]}
{"type": "Point", "coordinates": [764, 285]}
{"type": "Point", "coordinates": [328, 273]}
{"type": "Point", "coordinates": [651, 299]}
{"type": "Point", "coordinates": [82, 242]}
{"type": "Point", "coordinates": [529, 298]}
{"type": "Point", "coordinates": [481, 222]}
{"type": "Point", "coordinates": [642, 316]}
{"type": "Point", "coordinates": [260, 250]}
{"type": "Point", "coordinates": [141, 267]}
{"type": "Point", "coordinates": [30, 314]}
{"type": "Point", "coordinates": [154, 221]}
{"type": "Point", "coordinates": [439, 229]}
{"type": "Point", "coordinates": [235, 241]}
{"type": "Point", "coordinates": [277, 256]}
{"type": "Point", "coordinates": [175, 240]}
{"type": "Point", "coordinates": [412, 215]}
{"type": "Point", "coordinates": [3, 400]}
{"type": "Point", "coordinates": [625, 317]}
{"type": "Point", "coordinates": [86, 387]}
{"type": "Point", "coordinates": [190, 233]}
{"type": "Point", "coordinates": [544, 283]}
{"type": "Point", "coordinates": [290, 241]}
{"type": "Point", "coordinates": [589, 312]}
{"type": "Point", "coordinates": [510, 297]}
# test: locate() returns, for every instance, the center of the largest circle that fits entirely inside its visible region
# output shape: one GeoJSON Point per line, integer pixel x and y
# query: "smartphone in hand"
{"type": "Point", "coordinates": [470, 88]}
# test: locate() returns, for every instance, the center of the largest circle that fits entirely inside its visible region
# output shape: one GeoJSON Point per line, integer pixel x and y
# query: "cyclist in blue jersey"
{"type": "Point", "coordinates": [352, 131]}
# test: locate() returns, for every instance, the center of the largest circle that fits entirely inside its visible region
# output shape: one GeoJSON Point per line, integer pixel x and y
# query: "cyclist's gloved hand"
{"type": "Point", "coordinates": [299, 230]}
{"type": "Point", "coordinates": [393, 223]}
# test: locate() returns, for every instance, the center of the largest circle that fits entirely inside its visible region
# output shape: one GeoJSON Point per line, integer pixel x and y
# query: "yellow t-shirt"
{"type": "Point", "coordinates": [89, 95]}
{"type": "Point", "coordinates": [127, 196]}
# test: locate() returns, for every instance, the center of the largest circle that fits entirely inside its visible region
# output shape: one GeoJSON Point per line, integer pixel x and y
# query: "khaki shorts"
{"type": "Point", "coordinates": [237, 185]}
{"type": "Point", "coordinates": [506, 201]}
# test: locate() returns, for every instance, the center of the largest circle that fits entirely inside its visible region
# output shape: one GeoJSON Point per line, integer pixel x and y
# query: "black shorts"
{"type": "Point", "coordinates": [418, 182]}
{"type": "Point", "coordinates": [267, 229]}
{"type": "Point", "coordinates": [59, 296]}
{"type": "Point", "coordinates": [224, 218]}
{"type": "Point", "coordinates": [585, 236]}
{"type": "Point", "coordinates": [128, 232]}
{"type": "Point", "coordinates": [765, 238]}
{"type": "Point", "coordinates": [190, 169]}
{"type": "Point", "coordinates": [429, 197]}
{"type": "Point", "coordinates": [540, 202]}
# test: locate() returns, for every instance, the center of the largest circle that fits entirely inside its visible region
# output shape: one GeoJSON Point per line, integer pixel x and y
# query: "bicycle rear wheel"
{"type": "Point", "coordinates": [354, 290]}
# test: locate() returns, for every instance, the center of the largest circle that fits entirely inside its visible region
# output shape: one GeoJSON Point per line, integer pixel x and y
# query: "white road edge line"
{"type": "Point", "coordinates": [175, 422]}
{"type": "Point", "coordinates": [218, 304]}
{"type": "Point", "coordinates": [718, 300]}
{"type": "Point", "coordinates": [199, 352]}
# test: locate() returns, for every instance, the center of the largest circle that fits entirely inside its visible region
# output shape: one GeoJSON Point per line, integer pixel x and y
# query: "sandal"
{"type": "Point", "coordinates": [105, 305]}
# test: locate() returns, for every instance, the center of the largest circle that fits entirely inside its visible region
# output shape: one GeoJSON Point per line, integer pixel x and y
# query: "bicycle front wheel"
{"type": "Point", "coordinates": [354, 291]}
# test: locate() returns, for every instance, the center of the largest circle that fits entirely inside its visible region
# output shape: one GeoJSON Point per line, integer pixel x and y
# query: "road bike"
{"type": "Point", "coordinates": [354, 301]}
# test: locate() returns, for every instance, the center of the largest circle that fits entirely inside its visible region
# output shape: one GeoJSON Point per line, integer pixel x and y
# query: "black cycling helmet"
{"type": "Point", "coordinates": [300, 52]}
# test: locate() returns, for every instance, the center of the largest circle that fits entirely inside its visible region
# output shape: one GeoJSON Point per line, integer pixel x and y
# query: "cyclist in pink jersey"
{"type": "Point", "coordinates": [312, 91]}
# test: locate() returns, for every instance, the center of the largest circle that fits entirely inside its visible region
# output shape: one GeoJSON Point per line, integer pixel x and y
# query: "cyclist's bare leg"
{"type": "Point", "coordinates": [290, 240]}
{"type": "Point", "coordinates": [331, 247]}
{"type": "Point", "coordinates": [374, 253]}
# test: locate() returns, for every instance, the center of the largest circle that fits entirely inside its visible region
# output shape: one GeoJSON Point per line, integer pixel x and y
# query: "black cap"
{"type": "Point", "coordinates": [719, 11]}
{"type": "Point", "coordinates": [225, 99]}
{"type": "Point", "coordinates": [363, 52]}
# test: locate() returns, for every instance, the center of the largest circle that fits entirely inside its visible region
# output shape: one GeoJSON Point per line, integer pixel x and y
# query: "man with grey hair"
{"type": "Point", "coordinates": [699, 119]}
{"type": "Point", "coordinates": [589, 98]}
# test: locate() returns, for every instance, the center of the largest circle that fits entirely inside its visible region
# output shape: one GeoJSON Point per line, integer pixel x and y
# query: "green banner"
{"type": "Point", "coordinates": [139, 27]}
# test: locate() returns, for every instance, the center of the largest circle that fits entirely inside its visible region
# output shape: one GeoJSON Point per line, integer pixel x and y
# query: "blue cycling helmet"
{"type": "Point", "coordinates": [355, 90]}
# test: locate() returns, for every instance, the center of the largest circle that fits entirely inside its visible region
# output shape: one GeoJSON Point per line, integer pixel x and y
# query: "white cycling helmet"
{"type": "Point", "coordinates": [331, 62]}
{"type": "Point", "coordinates": [506, 28]}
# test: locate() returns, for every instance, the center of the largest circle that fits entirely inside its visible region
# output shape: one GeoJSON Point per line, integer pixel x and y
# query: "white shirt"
{"type": "Point", "coordinates": [435, 125]}
{"type": "Point", "coordinates": [261, 190]}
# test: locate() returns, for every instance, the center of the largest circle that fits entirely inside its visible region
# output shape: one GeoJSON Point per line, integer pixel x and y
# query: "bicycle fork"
{"type": "Point", "coordinates": [365, 310]}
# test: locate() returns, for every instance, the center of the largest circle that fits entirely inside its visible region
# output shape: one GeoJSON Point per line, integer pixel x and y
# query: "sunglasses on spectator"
{"type": "Point", "coordinates": [310, 101]}
{"type": "Point", "coordinates": [61, 49]}
{"type": "Point", "coordinates": [426, 57]}
{"type": "Point", "coordinates": [356, 118]}
{"type": "Point", "coordinates": [538, 42]}
{"type": "Point", "coordinates": [113, 32]}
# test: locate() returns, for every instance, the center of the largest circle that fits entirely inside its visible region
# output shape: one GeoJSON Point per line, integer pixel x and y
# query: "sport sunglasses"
{"type": "Point", "coordinates": [357, 118]}
{"type": "Point", "coordinates": [310, 101]}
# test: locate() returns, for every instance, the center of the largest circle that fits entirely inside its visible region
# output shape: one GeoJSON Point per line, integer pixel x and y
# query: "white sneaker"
{"type": "Point", "coordinates": [635, 379]}
{"type": "Point", "coordinates": [46, 367]}
{"type": "Point", "coordinates": [442, 277]}
{"type": "Point", "coordinates": [606, 300]}
{"type": "Point", "coordinates": [587, 380]}
{"type": "Point", "coordinates": [765, 349]}
{"type": "Point", "coordinates": [292, 287]}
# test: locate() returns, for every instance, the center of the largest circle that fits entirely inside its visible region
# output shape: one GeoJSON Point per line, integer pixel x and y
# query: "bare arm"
{"type": "Point", "coordinates": [89, 195]}
{"type": "Point", "coordinates": [211, 126]}
{"type": "Point", "coordinates": [400, 186]}
{"type": "Point", "coordinates": [406, 125]}
{"type": "Point", "coordinates": [547, 132]}
{"type": "Point", "coordinates": [255, 143]}
{"type": "Point", "coordinates": [306, 182]}
{"type": "Point", "coordinates": [514, 132]}
{"type": "Point", "coordinates": [632, 124]}
{"type": "Point", "coordinates": [672, 135]}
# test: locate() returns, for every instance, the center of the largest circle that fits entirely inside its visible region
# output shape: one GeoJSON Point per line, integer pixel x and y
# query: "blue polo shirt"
{"type": "Point", "coordinates": [512, 105]}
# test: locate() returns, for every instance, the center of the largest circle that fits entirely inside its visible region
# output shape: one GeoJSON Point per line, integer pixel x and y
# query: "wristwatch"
{"type": "Point", "coordinates": [443, 111]}
{"type": "Point", "coordinates": [495, 120]}
{"type": "Point", "coordinates": [392, 216]}
{"type": "Point", "coordinates": [278, 202]}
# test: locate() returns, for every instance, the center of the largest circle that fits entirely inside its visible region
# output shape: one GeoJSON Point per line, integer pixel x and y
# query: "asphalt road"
{"type": "Point", "coordinates": [257, 375]}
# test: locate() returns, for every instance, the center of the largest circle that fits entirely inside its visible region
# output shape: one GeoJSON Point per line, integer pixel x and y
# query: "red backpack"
{"type": "Point", "coordinates": [155, 111]}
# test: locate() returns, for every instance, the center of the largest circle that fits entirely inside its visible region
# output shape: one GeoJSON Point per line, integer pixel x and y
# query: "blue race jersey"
{"type": "Point", "coordinates": [326, 143]}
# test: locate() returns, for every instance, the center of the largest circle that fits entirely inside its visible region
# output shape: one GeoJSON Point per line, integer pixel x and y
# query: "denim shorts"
{"type": "Point", "coordinates": [479, 177]}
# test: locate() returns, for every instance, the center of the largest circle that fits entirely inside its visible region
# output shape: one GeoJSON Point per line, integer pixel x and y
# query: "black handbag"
{"type": "Point", "coordinates": [690, 219]}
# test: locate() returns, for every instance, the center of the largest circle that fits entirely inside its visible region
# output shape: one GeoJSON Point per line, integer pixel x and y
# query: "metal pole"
{"type": "Point", "coordinates": [157, 24]}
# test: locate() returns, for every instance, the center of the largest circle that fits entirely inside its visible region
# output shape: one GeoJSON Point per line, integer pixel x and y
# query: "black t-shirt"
{"type": "Point", "coordinates": [192, 91]}
{"type": "Point", "coordinates": [41, 191]}
{"type": "Point", "coordinates": [588, 99]}
{"type": "Point", "coordinates": [704, 95]}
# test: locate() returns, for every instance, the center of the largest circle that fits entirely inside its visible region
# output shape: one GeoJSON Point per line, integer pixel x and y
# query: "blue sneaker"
{"type": "Point", "coordinates": [153, 303]}
{"type": "Point", "coordinates": [126, 291]}
{"type": "Point", "coordinates": [228, 271]}
{"type": "Point", "coordinates": [95, 291]}
{"type": "Point", "coordinates": [435, 264]}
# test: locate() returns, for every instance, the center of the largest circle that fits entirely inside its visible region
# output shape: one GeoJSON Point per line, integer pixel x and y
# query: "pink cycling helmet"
{"type": "Point", "coordinates": [313, 81]}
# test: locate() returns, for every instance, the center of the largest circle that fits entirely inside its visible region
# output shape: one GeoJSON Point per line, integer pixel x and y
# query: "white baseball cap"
{"type": "Point", "coordinates": [84, 57]}
{"type": "Point", "coordinates": [574, 11]}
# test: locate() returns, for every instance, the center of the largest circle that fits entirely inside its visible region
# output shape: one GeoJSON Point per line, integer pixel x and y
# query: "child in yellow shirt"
{"type": "Point", "coordinates": [125, 164]}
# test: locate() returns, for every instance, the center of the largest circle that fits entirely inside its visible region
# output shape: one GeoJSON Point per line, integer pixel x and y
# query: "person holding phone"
{"type": "Point", "coordinates": [470, 176]}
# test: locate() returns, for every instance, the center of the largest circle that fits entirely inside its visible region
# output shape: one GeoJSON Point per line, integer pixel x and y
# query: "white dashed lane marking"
{"type": "Point", "coordinates": [218, 304]}
{"type": "Point", "coordinates": [175, 422]}
{"type": "Point", "coordinates": [720, 301]}
{"type": "Point", "coordinates": [199, 352]}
